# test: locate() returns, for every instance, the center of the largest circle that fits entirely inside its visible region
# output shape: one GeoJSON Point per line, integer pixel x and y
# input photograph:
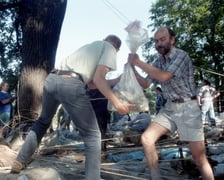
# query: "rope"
{"type": "Point", "coordinates": [95, 99]}
{"type": "Point", "coordinates": [117, 12]}
{"type": "Point", "coordinates": [112, 171]}
{"type": "Point", "coordinates": [162, 144]}
{"type": "Point", "coordinates": [167, 143]}
{"type": "Point", "coordinates": [209, 71]}
{"type": "Point", "coordinates": [108, 171]}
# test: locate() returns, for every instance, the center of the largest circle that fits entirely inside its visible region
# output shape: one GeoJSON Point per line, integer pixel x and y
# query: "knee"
{"type": "Point", "coordinates": [147, 140]}
{"type": "Point", "coordinates": [200, 159]}
{"type": "Point", "coordinates": [40, 129]}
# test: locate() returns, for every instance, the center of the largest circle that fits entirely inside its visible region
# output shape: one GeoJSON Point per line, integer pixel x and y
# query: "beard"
{"type": "Point", "coordinates": [164, 49]}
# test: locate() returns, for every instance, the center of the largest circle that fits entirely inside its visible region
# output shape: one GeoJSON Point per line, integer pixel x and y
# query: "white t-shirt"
{"type": "Point", "coordinates": [206, 93]}
{"type": "Point", "coordinates": [86, 59]}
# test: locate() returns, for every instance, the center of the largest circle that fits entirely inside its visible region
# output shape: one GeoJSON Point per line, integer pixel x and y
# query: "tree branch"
{"type": "Point", "coordinates": [5, 5]}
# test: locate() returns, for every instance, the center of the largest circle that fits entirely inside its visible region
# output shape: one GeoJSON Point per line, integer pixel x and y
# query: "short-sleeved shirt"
{"type": "Point", "coordinates": [207, 93]}
{"type": "Point", "coordinates": [4, 107]}
{"type": "Point", "coordinates": [182, 83]}
{"type": "Point", "coordinates": [86, 59]}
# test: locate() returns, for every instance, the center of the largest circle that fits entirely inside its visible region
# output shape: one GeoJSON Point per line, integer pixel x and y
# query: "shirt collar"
{"type": "Point", "coordinates": [172, 53]}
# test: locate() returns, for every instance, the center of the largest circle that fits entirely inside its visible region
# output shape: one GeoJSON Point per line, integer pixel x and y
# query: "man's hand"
{"type": "Point", "coordinates": [124, 108]}
{"type": "Point", "coordinates": [12, 98]}
{"type": "Point", "coordinates": [133, 59]}
{"type": "Point", "coordinates": [91, 85]}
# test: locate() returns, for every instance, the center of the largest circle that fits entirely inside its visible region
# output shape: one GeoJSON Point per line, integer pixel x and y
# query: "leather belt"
{"type": "Point", "coordinates": [67, 74]}
{"type": "Point", "coordinates": [182, 100]}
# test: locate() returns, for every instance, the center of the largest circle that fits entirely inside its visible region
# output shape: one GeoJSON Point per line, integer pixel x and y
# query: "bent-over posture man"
{"type": "Point", "coordinates": [173, 69]}
{"type": "Point", "coordinates": [89, 64]}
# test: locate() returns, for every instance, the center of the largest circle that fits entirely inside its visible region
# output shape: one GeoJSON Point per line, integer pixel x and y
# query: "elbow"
{"type": "Point", "coordinates": [165, 77]}
{"type": "Point", "coordinates": [95, 80]}
{"type": "Point", "coordinates": [145, 85]}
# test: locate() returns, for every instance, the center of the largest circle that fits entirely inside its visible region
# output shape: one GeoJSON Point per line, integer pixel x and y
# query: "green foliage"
{"type": "Point", "coordinates": [10, 42]}
{"type": "Point", "coordinates": [29, 34]}
{"type": "Point", "coordinates": [199, 28]}
{"type": "Point", "coordinates": [151, 96]}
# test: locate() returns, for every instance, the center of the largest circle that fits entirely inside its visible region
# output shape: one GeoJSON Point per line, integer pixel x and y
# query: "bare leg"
{"type": "Point", "coordinates": [148, 139]}
{"type": "Point", "coordinates": [198, 153]}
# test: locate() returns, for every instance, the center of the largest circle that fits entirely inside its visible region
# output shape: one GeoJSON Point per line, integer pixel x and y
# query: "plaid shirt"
{"type": "Point", "coordinates": [182, 83]}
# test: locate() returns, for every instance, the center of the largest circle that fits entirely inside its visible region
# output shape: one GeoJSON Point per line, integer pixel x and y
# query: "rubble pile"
{"type": "Point", "coordinates": [61, 154]}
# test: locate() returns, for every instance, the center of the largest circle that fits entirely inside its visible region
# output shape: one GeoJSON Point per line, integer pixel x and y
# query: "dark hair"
{"type": "Point", "coordinates": [206, 82]}
{"type": "Point", "coordinates": [116, 42]}
{"type": "Point", "coordinates": [171, 32]}
{"type": "Point", "coordinates": [158, 89]}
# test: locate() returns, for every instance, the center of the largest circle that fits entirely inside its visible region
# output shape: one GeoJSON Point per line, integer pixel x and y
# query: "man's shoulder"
{"type": "Point", "coordinates": [206, 87]}
{"type": "Point", "coordinates": [179, 51]}
{"type": "Point", "coordinates": [3, 93]}
{"type": "Point", "coordinates": [212, 88]}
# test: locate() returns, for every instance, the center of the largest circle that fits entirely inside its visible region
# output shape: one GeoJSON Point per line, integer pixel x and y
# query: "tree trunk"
{"type": "Point", "coordinates": [41, 22]}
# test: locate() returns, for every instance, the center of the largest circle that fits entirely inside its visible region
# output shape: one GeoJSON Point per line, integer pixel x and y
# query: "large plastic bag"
{"type": "Point", "coordinates": [128, 90]}
{"type": "Point", "coordinates": [136, 36]}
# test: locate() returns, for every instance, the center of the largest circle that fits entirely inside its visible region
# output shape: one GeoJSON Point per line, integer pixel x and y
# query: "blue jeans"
{"type": "Point", "coordinates": [208, 108]}
{"type": "Point", "coordinates": [71, 93]}
{"type": "Point", "coordinates": [4, 118]}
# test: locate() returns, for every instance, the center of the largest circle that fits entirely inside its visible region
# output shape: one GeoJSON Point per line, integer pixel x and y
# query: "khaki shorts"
{"type": "Point", "coordinates": [185, 118]}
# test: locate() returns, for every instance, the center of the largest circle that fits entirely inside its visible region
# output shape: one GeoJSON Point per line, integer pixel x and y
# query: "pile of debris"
{"type": "Point", "coordinates": [61, 154]}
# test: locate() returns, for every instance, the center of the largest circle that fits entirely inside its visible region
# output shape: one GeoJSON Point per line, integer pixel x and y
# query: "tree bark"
{"type": "Point", "coordinates": [41, 22]}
